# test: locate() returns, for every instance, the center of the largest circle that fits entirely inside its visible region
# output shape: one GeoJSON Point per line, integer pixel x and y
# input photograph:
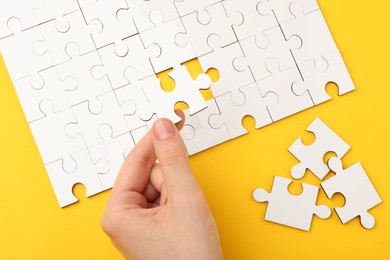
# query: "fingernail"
{"type": "Point", "coordinates": [163, 129]}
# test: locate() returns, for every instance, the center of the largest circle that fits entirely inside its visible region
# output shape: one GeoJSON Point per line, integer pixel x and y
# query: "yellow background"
{"type": "Point", "coordinates": [32, 226]}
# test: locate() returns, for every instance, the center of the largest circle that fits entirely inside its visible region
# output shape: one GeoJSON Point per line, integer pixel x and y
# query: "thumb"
{"type": "Point", "coordinates": [172, 156]}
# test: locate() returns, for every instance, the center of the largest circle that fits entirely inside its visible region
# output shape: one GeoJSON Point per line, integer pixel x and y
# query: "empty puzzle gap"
{"type": "Point", "coordinates": [79, 191]}
{"type": "Point", "coordinates": [308, 138]}
{"type": "Point", "coordinates": [295, 188]}
{"type": "Point", "coordinates": [181, 105]}
{"type": "Point", "coordinates": [332, 89]}
{"type": "Point", "coordinates": [329, 155]}
{"type": "Point", "coordinates": [249, 123]}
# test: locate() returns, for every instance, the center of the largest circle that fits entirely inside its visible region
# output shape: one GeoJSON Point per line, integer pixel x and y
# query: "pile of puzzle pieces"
{"type": "Point", "coordinates": [353, 183]}
{"type": "Point", "coordinates": [85, 73]}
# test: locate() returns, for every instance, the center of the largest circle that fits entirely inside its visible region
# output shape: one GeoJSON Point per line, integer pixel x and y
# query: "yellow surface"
{"type": "Point", "coordinates": [32, 226]}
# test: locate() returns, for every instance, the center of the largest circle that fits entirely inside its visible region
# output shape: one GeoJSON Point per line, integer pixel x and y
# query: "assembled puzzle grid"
{"type": "Point", "coordinates": [85, 74]}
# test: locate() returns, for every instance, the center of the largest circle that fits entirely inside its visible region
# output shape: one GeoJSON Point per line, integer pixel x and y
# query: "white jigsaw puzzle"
{"type": "Point", "coordinates": [79, 65]}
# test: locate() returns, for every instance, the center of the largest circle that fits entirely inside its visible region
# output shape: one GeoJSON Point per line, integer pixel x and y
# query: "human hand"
{"type": "Point", "coordinates": [158, 210]}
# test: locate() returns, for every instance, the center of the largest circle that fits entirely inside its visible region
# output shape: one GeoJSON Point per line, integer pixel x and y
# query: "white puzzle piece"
{"type": "Point", "coordinates": [259, 49]}
{"type": "Point", "coordinates": [186, 90]}
{"type": "Point", "coordinates": [221, 59]}
{"type": "Point", "coordinates": [86, 173]}
{"type": "Point", "coordinates": [232, 113]}
{"type": "Point", "coordinates": [280, 83]}
{"type": "Point", "coordinates": [140, 11]}
{"type": "Point", "coordinates": [197, 133]}
{"type": "Point", "coordinates": [315, 79]}
{"type": "Point", "coordinates": [311, 157]}
{"type": "Point", "coordinates": [137, 58]}
{"type": "Point", "coordinates": [290, 210]}
{"type": "Point", "coordinates": [163, 35]}
{"type": "Point", "coordinates": [197, 33]}
{"type": "Point", "coordinates": [114, 149]}
{"type": "Point", "coordinates": [357, 189]}
{"type": "Point", "coordinates": [253, 23]}
{"type": "Point", "coordinates": [80, 64]}
{"type": "Point", "coordinates": [31, 94]}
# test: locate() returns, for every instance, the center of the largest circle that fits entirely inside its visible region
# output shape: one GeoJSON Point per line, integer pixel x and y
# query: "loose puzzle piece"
{"type": "Point", "coordinates": [114, 149]}
{"type": "Point", "coordinates": [357, 189]}
{"type": "Point", "coordinates": [221, 59]}
{"type": "Point", "coordinates": [197, 133]}
{"type": "Point", "coordinates": [315, 79]}
{"type": "Point", "coordinates": [86, 173]}
{"type": "Point", "coordinates": [253, 23]}
{"type": "Point", "coordinates": [162, 103]}
{"type": "Point", "coordinates": [137, 57]}
{"type": "Point", "coordinates": [231, 113]}
{"type": "Point", "coordinates": [312, 157]}
{"type": "Point", "coordinates": [290, 210]}
{"type": "Point", "coordinates": [280, 83]}
{"type": "Point", "coordinates": [197, 33]}
{"type": "Point", "coordinates": [261, 48]}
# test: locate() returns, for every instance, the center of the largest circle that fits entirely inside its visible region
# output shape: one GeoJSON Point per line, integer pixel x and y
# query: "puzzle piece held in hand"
{"type": "Point", "coordinates": [311, 157]}
{"type": "Point", "coordinates": [357, 189]}
{"type": "Point", "coordinates": [186, 90]}
{"type": "Point", "coordinates": [290, 210]}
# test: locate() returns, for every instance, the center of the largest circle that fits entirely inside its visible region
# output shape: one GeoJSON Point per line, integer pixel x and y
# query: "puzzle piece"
{"type": "Point", "coordinates": [88, 122]}
{"type": "Point", "coordinates": [77, 76]}
{"type": "Point", "coordinates": [314, 33]}
{"type": "Point", "coordinates": [253, 23]}
{"type": "Point", "coordinates": [49, 134]}
{"type": "Point", "coordinates": [283, 8]}
{"type": "Point", "coordinates": [114, 150]}
{"type": "Point", "coordinates": [198, 135]}
{"type": "Point", "coordinates": [290, 210]}
{"type": "Point", "coordinates": [137, 57]}
{"type": "Point", "coordinates": [231, 113]}
{"type": "Point", "coordinates": [357, 189]}
{"type": "Point", "coordinates": [54, 10]}
{"type": "Point", "coordinates": [197, 33]}
{"type": "Point", "coordinates": [31, 94]}
{"type": "Point", "coordinates": [57, 39]}
{"type": "Point", "coordinates": [259, 49]}
{"type": "Point", "coordinates": [19, 9]}
{"type": "Point", "coordinates": [186, 90]}
{"type": "Point", "coordinates": [141, 9]}
{"type": "Point", "coordinates": [86, 173]}
{"type": "Point", "coordinates": [134, 94]}
{"type": "Point", "coordinates": [281, 83]}
{"type": "Point", "coordinates": [312, 157]}
{"type": "Point", "coordinates": [186, 7]}
{"type": "Point", "coordinates": [163, 34]}
{"type": "Point", "coordinates": [18, 48]}
{"type": "Point", "coordinates": [112, 22]}
{"type": "Point", "coordinates": [221, 58]}
{"type": "Point", "coordinates": [316, 79]}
